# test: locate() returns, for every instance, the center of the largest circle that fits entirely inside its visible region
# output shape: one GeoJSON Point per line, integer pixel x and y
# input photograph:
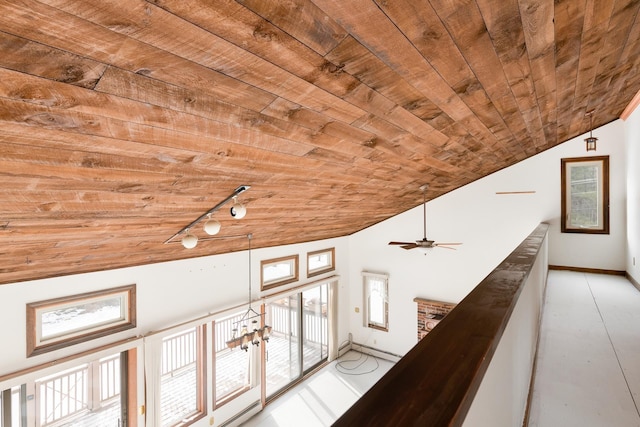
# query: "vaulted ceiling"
{"type": "Point", "coordinates": [121, 121]}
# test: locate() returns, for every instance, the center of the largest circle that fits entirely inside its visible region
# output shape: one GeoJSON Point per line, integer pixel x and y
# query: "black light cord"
{"type": "Point", "coordinates": [361, 360]}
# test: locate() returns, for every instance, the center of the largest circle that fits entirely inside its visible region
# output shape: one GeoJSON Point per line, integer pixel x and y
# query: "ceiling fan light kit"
{"type": "Point", "coordinates": [212, 226]}
{"type": "Point", "coordinates": [424, 244]}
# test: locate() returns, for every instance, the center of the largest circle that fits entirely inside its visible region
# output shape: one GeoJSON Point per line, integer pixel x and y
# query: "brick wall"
{"type": "Point", "coordinates": [430, 313]}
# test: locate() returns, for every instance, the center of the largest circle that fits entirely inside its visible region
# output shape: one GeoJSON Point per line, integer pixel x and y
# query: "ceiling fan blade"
{"type": "Point", "coordinates": [447, 244]}
{"type": "Point", "coordinates": [401, 243]}
{"type": "Point", "coordinates": [409, 246]}
{"type": "Point", "coordinates": [444, 247]}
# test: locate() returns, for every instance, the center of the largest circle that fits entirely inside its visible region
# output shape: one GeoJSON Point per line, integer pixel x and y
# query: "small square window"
{"type": "Point", "coordinates": [585, 195]}
{"type": "Point", "coordinates": [278, 271]}
{"type": "Point", "coordinates": [376, 300]}
{"type": "Point", "coordinates": [319, 262]}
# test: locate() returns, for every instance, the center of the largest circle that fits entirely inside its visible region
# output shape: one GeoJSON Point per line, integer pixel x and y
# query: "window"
{"type": "Point", "coordinates": [279, 271]}
{"type": "Point", "coordinates": [232, 365]}
{"type": "Point", "coordinates": [376, 300]}
{"type": "Point", "coordinates": [57, 323]}
{"type": "Point", "coordinates": [299, 339]}
{"type": "Point", "coordinates": [319, 262]}
{"type": "Point", "coordinates": [181, 386]}
{"type": "Point", "coordinates": [585, 195]}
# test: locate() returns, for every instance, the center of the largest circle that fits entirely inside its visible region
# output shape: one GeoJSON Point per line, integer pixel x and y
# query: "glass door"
{"type": "Point", "coordinates": [299, 337]}
{"type": "Point", "coordinates": [283, 349]}
{"type": "Point", "coordinates": [314, 327]}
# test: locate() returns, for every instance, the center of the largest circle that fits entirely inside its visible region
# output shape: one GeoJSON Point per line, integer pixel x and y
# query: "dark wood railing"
{"type": "Point", "coordinates": [435, 383]}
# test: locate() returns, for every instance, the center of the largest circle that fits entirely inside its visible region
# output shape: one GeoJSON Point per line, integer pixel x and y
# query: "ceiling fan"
{"type": "Point", "coordinates": [424, 243]}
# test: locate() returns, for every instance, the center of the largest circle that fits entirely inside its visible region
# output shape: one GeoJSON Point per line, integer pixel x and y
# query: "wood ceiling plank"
{"type": "Point", "coordinates": [596, 23]}
{"type": "Point", "coordinates": [537, 20]}
{"type": "Point", "coordinates": [355, 59]}
{"type": "Point", "coordinates": [213, 156]}
{"type": "Point", "coordinates": [23, 55]}
{"type": "Point", "coordinates": [69, 33]}
{"type": "Point", "coordinates": [366, 23]}
{"type": "Point", "coordinates": [452, 39]}
{"type": "Point", "coordinates": [569, 21]}
{"type": "Point", "coordinates": [351, 141]}
{"type": "Point", "coordinates": [628, 44]}
{"type": "Point", "coordinates": [68, 99]}
{"type": "Point", "coordinates": [248, 30]}
{"type": "Point", "coordinates": [289, 54]}
{"type": "Point", "coordinates": [360, 62]}
{"type": "Point", "coordinates": [303, 20]}
{"type": "Point", "coordinates": [290, 111]}
{"type": "Point", "coordinates": [146, 23]}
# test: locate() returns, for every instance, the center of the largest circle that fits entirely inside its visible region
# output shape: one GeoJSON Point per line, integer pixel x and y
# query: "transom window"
{"type": "Point", "coordinates": [585, 195]}
{"type": "Point", "coordinates": [56, 323]}
{"type": "Point", "coordinates": [319, 262]}
{"type": "Point", "coordinates": [278, 271]}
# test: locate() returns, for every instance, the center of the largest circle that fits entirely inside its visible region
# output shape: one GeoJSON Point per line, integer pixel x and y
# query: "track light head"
{"type": "Point", "coordinates": [189, 241]}
{"type": "Point", "coordinates": [238, 210]}
{"type": "Point", "coordinates": [212, 226]}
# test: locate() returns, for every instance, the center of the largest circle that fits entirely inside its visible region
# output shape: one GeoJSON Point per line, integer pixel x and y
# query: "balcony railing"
{"type": "Point", "coordinates": [440, 380]}
{"type": "Point", "coordinates": [63, 396]}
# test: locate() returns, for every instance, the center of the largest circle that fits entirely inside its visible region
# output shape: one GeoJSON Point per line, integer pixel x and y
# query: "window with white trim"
{"type": "Point", "coordinates": [376, 300]}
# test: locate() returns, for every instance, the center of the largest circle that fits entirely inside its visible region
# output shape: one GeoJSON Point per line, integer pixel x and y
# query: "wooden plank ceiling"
{"type": "Point", "coordinates": [121, 121]}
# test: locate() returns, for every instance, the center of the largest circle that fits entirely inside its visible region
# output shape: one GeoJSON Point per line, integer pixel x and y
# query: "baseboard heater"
{"type": "Point", "coordinates": [239, 415]}
{"type": "Point", "coordinates": [383, 354]}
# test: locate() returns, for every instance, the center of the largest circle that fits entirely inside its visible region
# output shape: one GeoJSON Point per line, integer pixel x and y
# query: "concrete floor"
{"type": "Point", "coordinates": [326, 395]}
{"type": "Point", "coordinates": [588, 366]}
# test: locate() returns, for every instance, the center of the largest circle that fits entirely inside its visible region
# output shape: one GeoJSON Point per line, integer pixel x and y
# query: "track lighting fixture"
{"type": "Point", "coordinates": [212, 226]}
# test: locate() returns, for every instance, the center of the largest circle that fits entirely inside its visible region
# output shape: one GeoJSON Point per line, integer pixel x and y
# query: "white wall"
{"type": "Point", "coordinates": [490, 226]}
{"type": "Point", "coordinates": [167, 294]}
{"type": "Point", "coordinates": [502, 396]}
{"type": "Point", "coordinates": [632, 140]}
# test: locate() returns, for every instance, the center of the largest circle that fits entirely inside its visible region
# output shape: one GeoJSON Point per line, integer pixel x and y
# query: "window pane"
{"type": "Point", "coordinates": [376, 301]}
{"type": "Point", "coordinates": [283, 349]}
{"type": "Point", "coordinates": [277, 271]}
{"type": "Point", "coordinates": [179, 388]}
{"type": "Point", "coordinates": [315, 335]}
{"type": "Point", "coordinates": [319, 261]}
{"type": "Point", "coordinates": [81, 316]}
{"type": "Point", "coordinates": [585, 198]}
{"type": "Point", "coordinates": [232, 365]}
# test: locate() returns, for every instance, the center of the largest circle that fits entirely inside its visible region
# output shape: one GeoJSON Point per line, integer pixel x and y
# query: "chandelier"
{"type": "Point", "coordinates": [249, 335]}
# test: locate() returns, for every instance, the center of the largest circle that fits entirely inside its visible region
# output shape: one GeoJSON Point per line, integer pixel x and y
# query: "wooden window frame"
{"type": "Point", "coordinates": [324, 269]}
{"type": "Point", "coordinates": [603, 188]}
{"type": "Point", "coordinates": [293, 259]}
{"type": "Point", "coordinates": [36, 344]}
